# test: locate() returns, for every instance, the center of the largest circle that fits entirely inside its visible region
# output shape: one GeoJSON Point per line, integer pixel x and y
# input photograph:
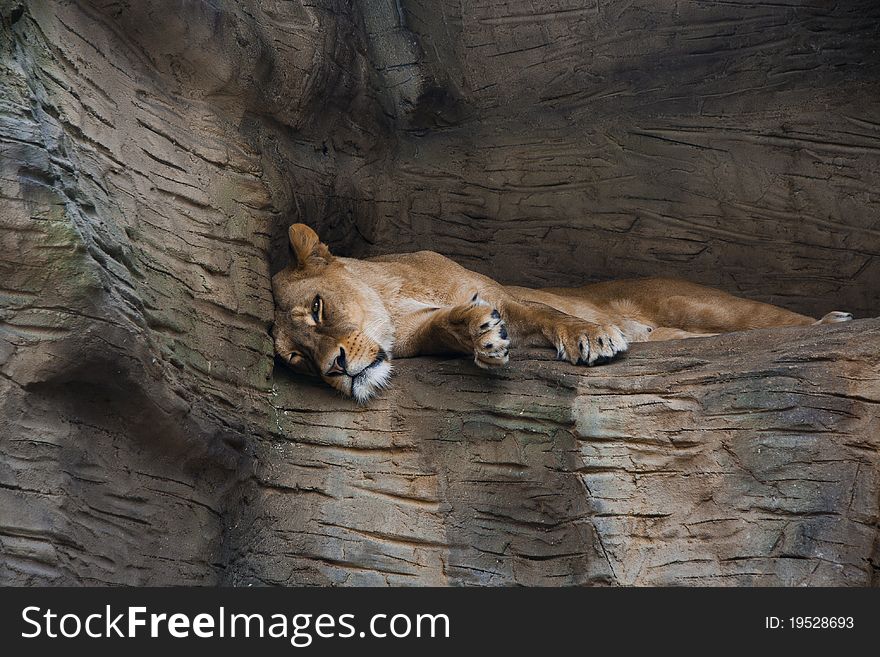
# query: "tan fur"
{"type": "Point", "coordinates": [424, 303]}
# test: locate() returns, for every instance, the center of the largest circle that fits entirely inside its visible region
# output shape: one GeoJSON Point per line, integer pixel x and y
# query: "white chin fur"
{"type": "Point", "coordinates": [366, 384]}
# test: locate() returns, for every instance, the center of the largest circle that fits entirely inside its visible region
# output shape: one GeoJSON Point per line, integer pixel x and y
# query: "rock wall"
{"type": "Point", "coordinates": [737, 144]}
{"type": "Point", "coordinates": [152, 154]}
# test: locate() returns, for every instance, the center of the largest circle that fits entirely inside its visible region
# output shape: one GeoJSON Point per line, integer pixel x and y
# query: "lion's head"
{"type": "Point", "coordinates": [328, 321]}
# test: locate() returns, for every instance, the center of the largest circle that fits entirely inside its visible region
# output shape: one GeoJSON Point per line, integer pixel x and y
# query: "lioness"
{"type": "Point", "coordinates": [343, 319]}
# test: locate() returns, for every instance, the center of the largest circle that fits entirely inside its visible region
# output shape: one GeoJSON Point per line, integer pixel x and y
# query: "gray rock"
{"type": "Point", "coordinates": [153, 153]}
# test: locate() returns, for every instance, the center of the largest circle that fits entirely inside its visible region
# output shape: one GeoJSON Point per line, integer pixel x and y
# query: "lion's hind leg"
{"type": "Point", "coordinates": [678, 309]}
{"type": "Point", "coordinates": [698, 309]}
{"type": "Point", "coordinates": [662, 333]}
{"type": "Point", "coordinates": [639, 327]}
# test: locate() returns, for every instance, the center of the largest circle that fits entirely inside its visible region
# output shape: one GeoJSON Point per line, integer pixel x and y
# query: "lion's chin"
{"type": "Point", "coordinates": [368, 383]}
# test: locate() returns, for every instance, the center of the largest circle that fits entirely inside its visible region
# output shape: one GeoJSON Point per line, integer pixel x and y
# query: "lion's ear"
{"type": "Point", "coordinates": [307, 248]}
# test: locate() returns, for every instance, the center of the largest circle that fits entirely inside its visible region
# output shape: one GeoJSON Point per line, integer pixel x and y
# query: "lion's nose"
{"type": "Point", "coordinates": [339, 363]}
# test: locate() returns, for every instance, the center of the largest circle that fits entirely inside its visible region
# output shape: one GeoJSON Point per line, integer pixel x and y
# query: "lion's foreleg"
{"type": "Point", "coordinates": [575, 340]}
{"type": "Point", "coordinates": [474, 328]}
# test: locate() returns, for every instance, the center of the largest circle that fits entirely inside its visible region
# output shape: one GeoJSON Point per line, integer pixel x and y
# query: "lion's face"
{"type": "Point", "coordinates": [328, 323]}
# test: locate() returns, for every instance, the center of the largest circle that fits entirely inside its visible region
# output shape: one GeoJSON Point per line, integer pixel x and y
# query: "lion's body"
{"type": "Point", "coordinates": [342, 318]}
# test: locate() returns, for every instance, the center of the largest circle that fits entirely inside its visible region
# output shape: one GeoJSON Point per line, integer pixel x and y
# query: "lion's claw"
{"type": "Point", "coordinates": [583, 343]}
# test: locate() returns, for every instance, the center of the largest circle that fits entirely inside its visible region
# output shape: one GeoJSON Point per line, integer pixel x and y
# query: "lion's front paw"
{"type": "Point", "coordinates": [583, 343]}
{"type": "Point", "coordinates": [489, 334]}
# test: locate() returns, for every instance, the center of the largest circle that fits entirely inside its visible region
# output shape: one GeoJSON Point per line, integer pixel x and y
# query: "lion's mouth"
{"type": "Point", "coordinates": [367, 369]}
{"type": "Point", "coordinates": [366, 383]}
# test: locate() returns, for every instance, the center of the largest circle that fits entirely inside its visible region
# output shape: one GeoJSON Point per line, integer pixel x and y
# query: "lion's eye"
{"type": "Point", "coordinates": [318, 309]}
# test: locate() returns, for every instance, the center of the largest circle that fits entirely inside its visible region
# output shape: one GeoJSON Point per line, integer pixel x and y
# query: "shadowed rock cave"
{"type": "Point", "coordinates": [154, 153]}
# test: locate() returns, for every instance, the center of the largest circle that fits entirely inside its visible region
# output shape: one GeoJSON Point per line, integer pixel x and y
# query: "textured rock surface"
{"type": "Point", "coordinates": [152, 154]}
{"type": "Point", "coordinates": [742, 459]}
